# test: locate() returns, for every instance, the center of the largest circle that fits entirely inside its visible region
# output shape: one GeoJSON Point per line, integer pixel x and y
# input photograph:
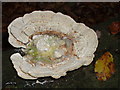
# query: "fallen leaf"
{"type": "Point", "coordinates": [104, 67]}
{"type": "Point", "coordinates": [114, 27]}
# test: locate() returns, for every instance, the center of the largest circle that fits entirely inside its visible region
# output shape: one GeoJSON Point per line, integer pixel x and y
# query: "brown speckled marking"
{"type": "Point", "coordinates": [70, 50]}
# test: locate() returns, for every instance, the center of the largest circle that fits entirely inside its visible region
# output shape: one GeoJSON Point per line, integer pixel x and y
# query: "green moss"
{"type": "Point", "coordinates": [40, 56]}
{"type": "Point", "coordinates": [43, 56]}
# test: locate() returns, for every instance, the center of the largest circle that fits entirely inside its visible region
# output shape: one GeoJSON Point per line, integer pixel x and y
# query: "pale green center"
{"type": "Point", "coordinates": [46, 48]}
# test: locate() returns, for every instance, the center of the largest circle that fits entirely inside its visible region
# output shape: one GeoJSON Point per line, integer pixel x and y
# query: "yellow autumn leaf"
{"type": "Point", "coordinates": [104, 66]}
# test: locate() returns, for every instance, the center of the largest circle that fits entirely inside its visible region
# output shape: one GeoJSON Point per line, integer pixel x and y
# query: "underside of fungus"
{"type": "Point", "coordinates": [52, 43]}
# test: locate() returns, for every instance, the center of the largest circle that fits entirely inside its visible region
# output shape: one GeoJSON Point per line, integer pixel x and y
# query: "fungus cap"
{"type": "Point", "coordinates": [53, 44]}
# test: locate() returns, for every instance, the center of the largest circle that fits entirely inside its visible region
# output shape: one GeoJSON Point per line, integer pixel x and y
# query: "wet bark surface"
{"type": "Point", "coordinates": [95, 15]}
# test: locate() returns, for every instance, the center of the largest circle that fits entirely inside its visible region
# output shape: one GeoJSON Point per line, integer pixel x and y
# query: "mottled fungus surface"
{"type": "Point", "coordinates": [53, 44]}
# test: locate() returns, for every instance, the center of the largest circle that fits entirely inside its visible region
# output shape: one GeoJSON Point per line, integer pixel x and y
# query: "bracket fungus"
{"type": "Point", "coordinates": [53, 44]}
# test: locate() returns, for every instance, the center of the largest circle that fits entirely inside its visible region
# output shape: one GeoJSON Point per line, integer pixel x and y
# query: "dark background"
{"type": "Point", "coordinates": [95, 15]}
